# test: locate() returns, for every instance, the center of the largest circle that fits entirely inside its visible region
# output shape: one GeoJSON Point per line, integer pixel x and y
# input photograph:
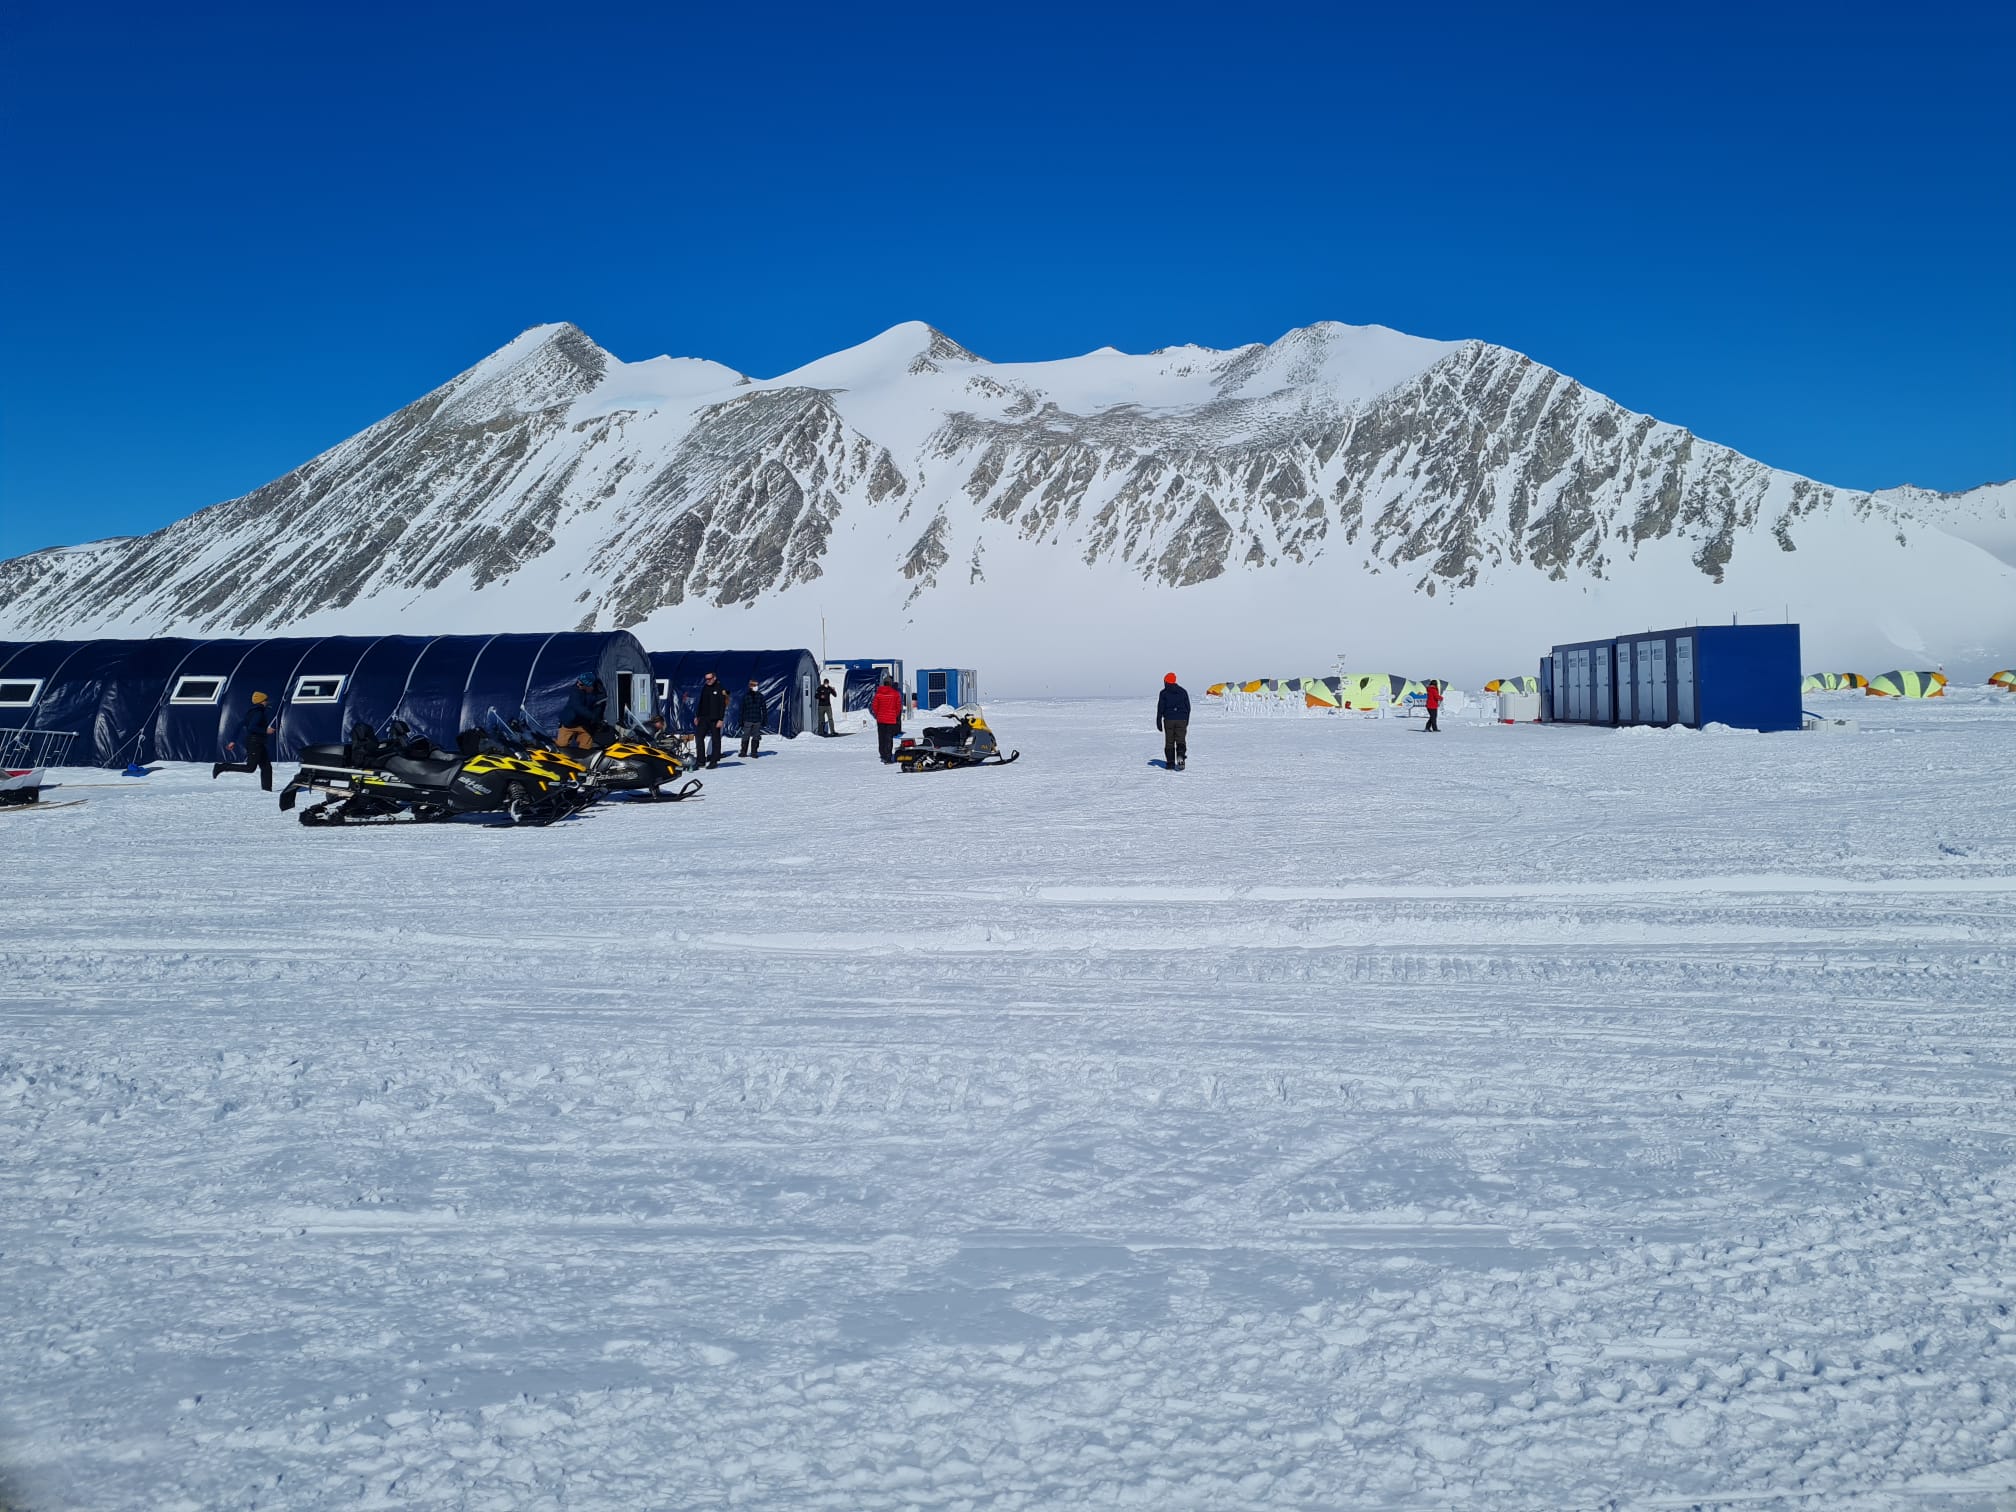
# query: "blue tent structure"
{"type": "Point", "coordinates": [858, 677]}
{"type": "Point", "coordinates": [787, 680]}
{"type": "Point", "coordinates": [171, 699]}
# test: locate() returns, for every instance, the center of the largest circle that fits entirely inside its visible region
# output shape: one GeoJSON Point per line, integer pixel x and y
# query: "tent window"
{"type": "Point", "coordinates": [317, 689]}
{"type": "Point", "coordinates": [19, 694]}
{"type": "Point", "coordinates": [664, 692]}
{"type": "Point", "coordinates": [197, 690]}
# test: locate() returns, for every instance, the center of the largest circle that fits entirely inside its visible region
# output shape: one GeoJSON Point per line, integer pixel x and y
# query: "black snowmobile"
{"type": "Point", "coordinates": [621, 760]}
{"type": "Point", "coordinates": [399, 776]}
{"type": "Point", "coordinates": [966, 743]}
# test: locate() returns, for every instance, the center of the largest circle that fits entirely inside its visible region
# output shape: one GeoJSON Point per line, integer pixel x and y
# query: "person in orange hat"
{"type": "Point", "coordinates": [259, 724]}
{"type": "Point", "coordinates": [1172, 718]}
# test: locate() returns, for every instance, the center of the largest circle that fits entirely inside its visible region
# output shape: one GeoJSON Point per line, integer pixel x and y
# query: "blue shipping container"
{"type": "Point", "coordinates": [1744, 676]}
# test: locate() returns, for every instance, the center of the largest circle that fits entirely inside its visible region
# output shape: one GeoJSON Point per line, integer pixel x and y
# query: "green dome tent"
{"type": "Point", "coordinates": [1908, 685]}
{"type": "Point", "coordinates": [1832, 682]}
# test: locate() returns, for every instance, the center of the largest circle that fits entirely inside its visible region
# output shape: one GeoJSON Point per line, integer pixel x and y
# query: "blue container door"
{"type": "Point", "coordinates": [1603, 712]}
{"type": "Point", "coordinates": [1683, 680]}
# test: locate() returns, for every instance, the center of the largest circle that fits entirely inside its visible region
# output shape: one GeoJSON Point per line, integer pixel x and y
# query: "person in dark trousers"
{"type": "Point", "coordinates": [259, 723]}
{"type": "Point", "coordinates": [887, 707]}
{"type": "Point", "coordinates": [1433, 698]}
{"type": "Point", "coordinates": [582, 714]}
{"type": "Point", "coordinates": [755, 714]}
{"type": "Point", "coordinates": [826, 695]}
{"type": "Point", "coordinates": [709, 709]}
{"type": "Point", "coordinates": [1172, 718]}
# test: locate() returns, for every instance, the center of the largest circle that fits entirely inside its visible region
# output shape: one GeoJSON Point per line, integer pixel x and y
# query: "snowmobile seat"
{"type": "Point", "coordinates": [325, 755]}
{"type": "Point", "coordinates": [423, 771]}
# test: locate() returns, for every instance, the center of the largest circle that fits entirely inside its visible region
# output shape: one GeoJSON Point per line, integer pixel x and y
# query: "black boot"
{"type": "Point", "coordinates": [216, 770]}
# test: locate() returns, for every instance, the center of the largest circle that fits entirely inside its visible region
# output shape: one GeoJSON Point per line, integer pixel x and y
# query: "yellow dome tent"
{"type": "Point", "coordinates": [2006, 681]}
{"type": "Point", "coordinates": [1832, 682]}
{"type": "Point", "coordinates": [1513, 685]}
{"type": "Point", "coordinates": [1908, 685]}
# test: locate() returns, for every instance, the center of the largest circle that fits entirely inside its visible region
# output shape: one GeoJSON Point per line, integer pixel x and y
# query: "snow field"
{"type": "Point", "coordinates": [1530, 1117]}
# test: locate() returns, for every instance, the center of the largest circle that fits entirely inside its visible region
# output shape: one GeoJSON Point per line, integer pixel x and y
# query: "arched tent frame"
{"type": "Point", "coordinates": [788, 681]}
{"type": "Point", "coordinates": [119, 695]}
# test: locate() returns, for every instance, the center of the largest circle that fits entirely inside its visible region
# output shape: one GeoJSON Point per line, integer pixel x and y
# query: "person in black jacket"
{"type": "Point", "coordinates": [826, 695]}
{"type": "Point", "coordinates": [709, 709]}
{"type": "Point", "coordinates": [579, 718]}
{"type": "Point", "coordinates": [260, 721]}
{"type": "Point", "coordinates": [755, 714]}
{"type": "Point", "coordinates": [1172, 718]}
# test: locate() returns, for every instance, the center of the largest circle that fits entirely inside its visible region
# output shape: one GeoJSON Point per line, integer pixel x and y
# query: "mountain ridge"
{"type": "Point", "coordinates": [909, 478]}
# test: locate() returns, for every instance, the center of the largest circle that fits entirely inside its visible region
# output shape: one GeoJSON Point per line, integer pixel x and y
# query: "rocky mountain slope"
{"type": "Point", "coordinates": [1344, 491]}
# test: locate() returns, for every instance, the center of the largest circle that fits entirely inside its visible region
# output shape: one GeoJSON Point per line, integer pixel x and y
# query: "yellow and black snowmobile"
{"type": "Point", "coordinates": [374, 780]}
{"type": "Point", "coordinates": [967, 742]}
{"type": "Point", "coordinates": [620, 761]}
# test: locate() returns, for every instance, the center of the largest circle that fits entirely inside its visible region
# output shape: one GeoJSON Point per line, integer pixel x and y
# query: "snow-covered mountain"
{"type": "Point", "coordinates": [1442, 508]}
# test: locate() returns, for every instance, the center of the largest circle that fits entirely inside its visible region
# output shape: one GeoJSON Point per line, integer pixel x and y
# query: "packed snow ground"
{"type": "Point", "coordinates": [1524, 1118]}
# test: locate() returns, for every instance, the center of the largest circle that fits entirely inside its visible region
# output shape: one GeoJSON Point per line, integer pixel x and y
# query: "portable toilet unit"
{"type": "Point", "coordinates": [1744, 676]}
{"type": "Point", "coordinates": [939, 686]}
{"type": "Point", "coordinates": [1578, 683]}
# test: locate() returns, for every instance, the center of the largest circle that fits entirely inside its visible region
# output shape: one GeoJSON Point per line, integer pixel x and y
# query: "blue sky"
{"type": "Point", "coordinates": [236, 235]}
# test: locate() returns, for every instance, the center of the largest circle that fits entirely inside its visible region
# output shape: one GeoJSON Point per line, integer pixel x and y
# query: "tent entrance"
{"type": "Point", "coordinates": [634, 702]}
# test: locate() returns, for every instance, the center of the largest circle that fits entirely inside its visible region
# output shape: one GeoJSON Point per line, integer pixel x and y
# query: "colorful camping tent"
{"type": "Point", "coordinates": [1513, 685]}
{"type": "Point", "coordinates": [1832, 682]}
{"type": "Point", "coordinates": [2005, 680]}
{"type": "Point", "coordinates": [1908, 685]}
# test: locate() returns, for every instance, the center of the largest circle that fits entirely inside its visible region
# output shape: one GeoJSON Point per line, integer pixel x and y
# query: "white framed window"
{"type": "Point", "coordinates": [313, 690]}
{"type": "Point", "coordinates": [664, 691]}
{"type": "Point", "coordinates": [19, 692]}
{"type": "Point", "coordinates": [197, 690]}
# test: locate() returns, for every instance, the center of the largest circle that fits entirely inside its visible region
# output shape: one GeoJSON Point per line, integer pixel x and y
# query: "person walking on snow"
{"type": "Point", "coordinates": [887, 707]}
{"type": "Point", "coordinates": [825, 696]}
{"type": "Point", "coordinates": [709, 709]}
{"type": "Point", "coordinates": [1172, 718]}
{"type": "Point", "coordinates": [755, 714]}
{"type": "Point", "coordinates": [1433, 698]}
{"type": "Point", "coordinates": [259, 722]}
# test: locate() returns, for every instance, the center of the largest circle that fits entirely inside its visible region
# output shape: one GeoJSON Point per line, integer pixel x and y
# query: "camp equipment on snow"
{"type": "Point", "coordinates": [402, 777]}
{"type": "Point", "coordinates": [947, 687]}
{"type": "Point", "coordinates": [1907, 685]}
{"type": "Point", "coordinates": [966, 742]}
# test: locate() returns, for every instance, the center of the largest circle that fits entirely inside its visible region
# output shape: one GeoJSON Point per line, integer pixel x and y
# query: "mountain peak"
{"type": "Point", "coordinates": [912, 347]}
{"type": "Point", "coordinates": [541, 366]}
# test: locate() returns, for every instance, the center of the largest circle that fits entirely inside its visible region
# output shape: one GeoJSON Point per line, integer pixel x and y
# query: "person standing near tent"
{"type": "Point", "coordinates": [709, 709]}
{"type": "Point", "coordinates": [582, 713]}
{"type": "Point", "coordinates": [260, 722]}
{"type": "Point", "coordinates": [826, 695]}
{"type": "Point", "coordinates": [1433, 699]}
{"type": "Point", "coordinates": [887, 707]}
{"type": "Point", "coordinates": [755, 712]}
{"type": "Point", "coordinates": [1172, 718]}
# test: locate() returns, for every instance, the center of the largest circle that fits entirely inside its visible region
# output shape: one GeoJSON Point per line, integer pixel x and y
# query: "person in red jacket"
{"type": "Point", "coordinates": [1433, 699]}
{"type": "Point", "coordinates": [886, 704]}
